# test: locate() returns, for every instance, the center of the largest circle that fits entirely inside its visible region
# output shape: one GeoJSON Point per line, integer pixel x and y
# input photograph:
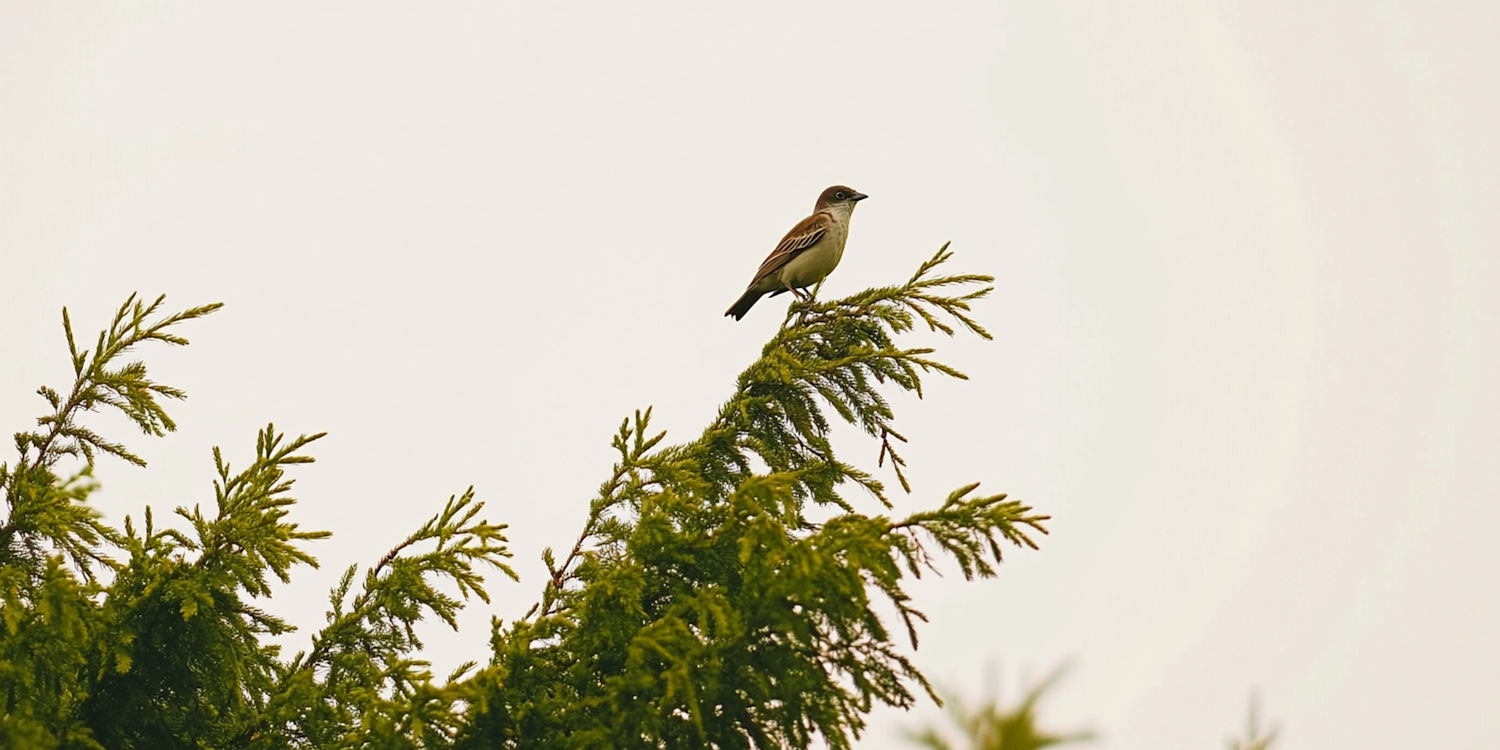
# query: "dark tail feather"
{"type": "Point", "coordinates": [746, 301]}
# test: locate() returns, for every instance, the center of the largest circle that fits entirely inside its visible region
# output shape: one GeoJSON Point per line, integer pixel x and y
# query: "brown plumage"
{"type": "Point", "coordinates": [807, 253]}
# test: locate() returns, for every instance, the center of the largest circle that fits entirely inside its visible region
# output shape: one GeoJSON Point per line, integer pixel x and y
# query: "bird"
{"type": "Point", "coordinates": [806, 254]}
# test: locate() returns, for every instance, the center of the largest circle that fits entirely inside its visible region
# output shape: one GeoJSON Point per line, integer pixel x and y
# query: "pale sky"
{"type": "Point", "coordinates": [1246, 323]}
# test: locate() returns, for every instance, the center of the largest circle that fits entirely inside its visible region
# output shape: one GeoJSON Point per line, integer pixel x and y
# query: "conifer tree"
{"type": "Point", "coordinates": [700, 606]}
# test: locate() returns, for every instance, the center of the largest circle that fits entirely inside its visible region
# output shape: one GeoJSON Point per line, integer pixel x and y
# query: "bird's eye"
{"type": "Point", "coordinates": [840, 195]}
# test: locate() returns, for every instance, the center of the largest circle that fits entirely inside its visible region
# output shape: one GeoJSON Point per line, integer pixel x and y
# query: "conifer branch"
{"type": "Point", "coordinates": [248, 536]}
{"type": "Point", "coordinates": [400, 587]}
{"type": "Point", "coordinates": [126, 388]}
{"type": "Point", "coordinates": [970, 531]}
{"type": "Point", "coordinates": [834, 354]}
{"type": "Point", "coordinates": [633, 474]}
{"type": "Point", "coordinates": [44, 511]}
{"type": "Point", "coordinates": [741, 621]}
{"type": "Point", "coordinates": [359, 660]}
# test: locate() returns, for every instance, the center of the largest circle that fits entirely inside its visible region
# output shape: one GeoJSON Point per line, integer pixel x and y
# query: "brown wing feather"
{"type": "Point", "coordinates": [804, 235]}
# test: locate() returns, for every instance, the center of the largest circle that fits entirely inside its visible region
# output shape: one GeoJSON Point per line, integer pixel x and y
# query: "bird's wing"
{"type": "Point", "coordinates": [804, 235]}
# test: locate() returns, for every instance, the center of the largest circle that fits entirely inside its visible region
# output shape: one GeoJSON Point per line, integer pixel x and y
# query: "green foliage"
{"type": "Point", "coordinates": [358, 685]}
{"type": "Point", "coordinates": [701, 605]}
{"type": "Point", "coordinates": [45, 513]}
{"type": "Point", "coordinates": [54, 622]}
{"type": "Point", "coordinates": [989, 726]}
{"type": "Point", "coordinates": [169, 652]}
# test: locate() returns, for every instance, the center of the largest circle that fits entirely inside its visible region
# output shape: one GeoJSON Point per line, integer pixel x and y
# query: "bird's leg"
{"type": "Point", "coordinates": [801, 297]}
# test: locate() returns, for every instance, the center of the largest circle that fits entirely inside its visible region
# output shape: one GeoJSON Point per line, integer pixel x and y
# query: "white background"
{"type": "Point", "coordinates": [1246, 317]}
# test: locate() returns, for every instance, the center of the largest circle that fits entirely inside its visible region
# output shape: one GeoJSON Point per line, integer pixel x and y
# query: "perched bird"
{"type": "Point", "coordinates": [807, 253]}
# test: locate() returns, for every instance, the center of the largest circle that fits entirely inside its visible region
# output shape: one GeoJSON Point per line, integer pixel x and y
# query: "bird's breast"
{"type": "Point", "coordinates": [816, 262]}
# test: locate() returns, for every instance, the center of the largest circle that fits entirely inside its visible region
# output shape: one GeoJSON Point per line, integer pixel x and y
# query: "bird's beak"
{"type": "Point", "coordinates": [857, 197]}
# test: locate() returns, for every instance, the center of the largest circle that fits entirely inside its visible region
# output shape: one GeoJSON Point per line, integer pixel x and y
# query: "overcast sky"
{"type": "Point", "coordinates": [1247, 317]}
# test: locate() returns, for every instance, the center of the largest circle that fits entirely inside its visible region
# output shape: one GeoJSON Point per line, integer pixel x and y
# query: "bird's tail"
{"type": "Point", "coordinates": [746, 301]}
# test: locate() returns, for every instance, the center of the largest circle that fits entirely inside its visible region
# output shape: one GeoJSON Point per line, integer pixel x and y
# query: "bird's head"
{"type": "Point", "coordinates": [838, 195]}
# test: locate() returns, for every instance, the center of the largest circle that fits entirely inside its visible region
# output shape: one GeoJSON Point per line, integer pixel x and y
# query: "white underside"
{"type": "Point", "coordinates": [813, 264]}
